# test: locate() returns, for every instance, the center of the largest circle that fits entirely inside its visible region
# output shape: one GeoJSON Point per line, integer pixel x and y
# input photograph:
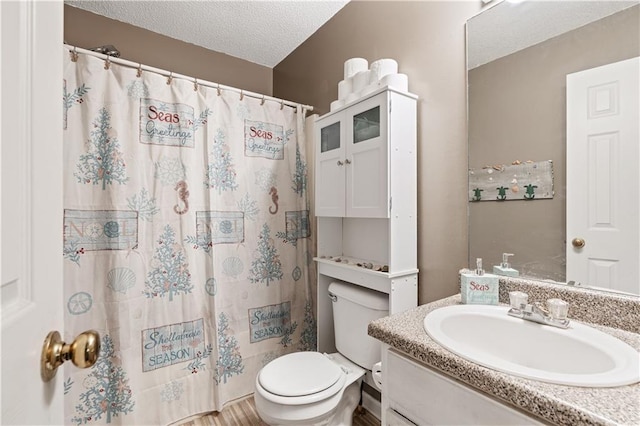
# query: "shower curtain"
{"type": "Point", "coordinates": [186, 241]}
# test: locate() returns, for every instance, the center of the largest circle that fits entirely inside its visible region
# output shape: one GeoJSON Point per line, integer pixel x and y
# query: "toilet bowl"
{"type": "Point", "coordinates": [308, 388]}
{"type": "Point", "coordinates": [311, 388]}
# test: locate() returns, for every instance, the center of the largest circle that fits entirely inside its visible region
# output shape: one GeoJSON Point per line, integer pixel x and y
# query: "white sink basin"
{"type": "Point", "coordinates": [577, 356]}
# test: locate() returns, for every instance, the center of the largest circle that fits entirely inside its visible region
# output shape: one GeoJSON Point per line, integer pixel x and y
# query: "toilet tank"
{"type": "Point", "coordinates": [354, 307]}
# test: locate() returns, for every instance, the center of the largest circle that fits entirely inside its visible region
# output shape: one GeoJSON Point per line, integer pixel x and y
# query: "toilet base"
{"type": "Point", "coordinates": [341, 415]}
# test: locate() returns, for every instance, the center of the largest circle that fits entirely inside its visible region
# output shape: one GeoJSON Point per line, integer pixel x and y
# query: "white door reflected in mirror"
{"type": "Point", "coordinates": [603, 178]}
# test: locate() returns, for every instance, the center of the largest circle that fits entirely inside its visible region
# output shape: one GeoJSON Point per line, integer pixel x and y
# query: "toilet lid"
{"type": "Point", "coordinates": [299, 374]}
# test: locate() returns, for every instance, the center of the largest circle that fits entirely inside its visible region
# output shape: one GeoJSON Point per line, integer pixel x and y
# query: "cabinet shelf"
{"type": "Point", "coordinates": [352, 265]}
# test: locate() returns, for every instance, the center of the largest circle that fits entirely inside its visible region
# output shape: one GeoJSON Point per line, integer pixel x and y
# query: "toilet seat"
{"type": "Point", "coordinates": [300, 378]}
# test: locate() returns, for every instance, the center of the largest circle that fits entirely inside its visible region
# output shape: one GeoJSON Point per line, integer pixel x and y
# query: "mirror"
{"type": "Point", "coordinates": [518, 57]}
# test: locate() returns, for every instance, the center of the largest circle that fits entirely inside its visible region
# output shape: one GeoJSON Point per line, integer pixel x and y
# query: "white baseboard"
{"type": "Point", "coordinates": [372, 405]}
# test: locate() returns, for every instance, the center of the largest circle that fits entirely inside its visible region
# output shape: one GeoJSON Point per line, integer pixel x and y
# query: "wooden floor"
{"type": "Point", "coordinates": [243, 413]}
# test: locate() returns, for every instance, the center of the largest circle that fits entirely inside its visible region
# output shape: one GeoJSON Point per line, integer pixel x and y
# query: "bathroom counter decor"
{"type": "Point", "coordinates": [556, 404]}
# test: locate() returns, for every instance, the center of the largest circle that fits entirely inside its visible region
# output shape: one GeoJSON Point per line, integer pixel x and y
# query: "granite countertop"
{"type": "Point", "coordinates": [557, 404]}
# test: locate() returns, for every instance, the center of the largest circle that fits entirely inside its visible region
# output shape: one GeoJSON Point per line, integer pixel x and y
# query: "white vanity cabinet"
{"type": "Point", "coordinates": [366, 201]}
{"type": "Point", "coordinates": [357, 154]}
{"type": "Point", "coordinates": [414, 394]}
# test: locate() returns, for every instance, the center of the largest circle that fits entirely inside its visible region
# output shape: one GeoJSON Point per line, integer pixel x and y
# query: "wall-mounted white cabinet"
{"type": "Point", "coordinates": [366, 201]}
{"type": "Point", "coordinates": [356, 150]}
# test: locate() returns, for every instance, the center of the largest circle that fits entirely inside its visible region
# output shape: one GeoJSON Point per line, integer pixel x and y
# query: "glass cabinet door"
{"type": "Point", "coordinates": [330, 137]}
{"type": "Point", "coordinates": [330, 166]}
{"type": "Point", "coordinates": [366, 125]}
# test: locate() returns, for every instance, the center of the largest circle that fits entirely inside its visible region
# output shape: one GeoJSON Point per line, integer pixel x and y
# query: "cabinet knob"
{"type": "Point", "coordinates": [347, 161]}
{"type": "Point", "coordinates": [340, 163]}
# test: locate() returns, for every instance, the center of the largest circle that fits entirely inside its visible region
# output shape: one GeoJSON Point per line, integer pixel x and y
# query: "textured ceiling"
{"type": "Point", "coordinates": [509, 26]}
{"type": "Point", "coordinates": [262, 32]}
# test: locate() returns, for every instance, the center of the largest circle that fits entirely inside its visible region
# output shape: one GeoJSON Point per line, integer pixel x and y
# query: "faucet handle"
{"type": "Point", "coordinates": [558, 308]}
{"type": "Point", "coordinates": [518, 300]}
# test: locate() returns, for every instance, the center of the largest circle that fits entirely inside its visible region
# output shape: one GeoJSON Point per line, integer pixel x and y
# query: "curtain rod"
{"type": "Point", "coordinates": [172, 75]}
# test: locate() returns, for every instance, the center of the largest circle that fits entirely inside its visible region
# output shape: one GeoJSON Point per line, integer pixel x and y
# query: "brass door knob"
{"type": "Point", "coordinates": [578, 242]}
{"type": "Point", "coordinates": [83, 352]}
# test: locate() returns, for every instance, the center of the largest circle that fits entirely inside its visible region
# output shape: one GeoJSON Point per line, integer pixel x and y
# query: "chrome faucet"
{"type": "Point", "coordinates": [554, 315]}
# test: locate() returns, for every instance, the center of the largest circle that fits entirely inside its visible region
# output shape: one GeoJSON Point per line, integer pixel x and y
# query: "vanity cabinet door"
{"type": "Point", "coordinates": [426, 397]}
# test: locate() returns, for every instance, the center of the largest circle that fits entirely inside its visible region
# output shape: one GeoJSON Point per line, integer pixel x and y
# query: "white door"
{"type": "Point", "coordinates": [31, 206]}
{"type": "Point", "coordinates": [603, 177]}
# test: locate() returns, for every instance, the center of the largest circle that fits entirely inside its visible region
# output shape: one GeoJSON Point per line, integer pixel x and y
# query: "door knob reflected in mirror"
{"type": "Point", "coordinates": [83, 352]}
{"type": "Point", "coordinates": [578, 243]}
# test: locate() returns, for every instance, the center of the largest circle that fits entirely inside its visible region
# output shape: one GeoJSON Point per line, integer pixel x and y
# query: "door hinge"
{"type": "Point", "coordinates": [389, 105]}
{"type": "Point", "coordinates": [390, 203]}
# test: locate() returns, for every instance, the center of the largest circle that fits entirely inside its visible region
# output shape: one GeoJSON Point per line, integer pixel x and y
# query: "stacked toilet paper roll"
{"type": "Point", "coordinates": [360, 79]}
{"type": "Point", "coordinates": [381, 68]}
{"type": "Point", "coordinates": [397, 81]}
{"type": "Point", "coordinates": [376, 373]}
{"type": "Point", "coordinates": [355, 65]}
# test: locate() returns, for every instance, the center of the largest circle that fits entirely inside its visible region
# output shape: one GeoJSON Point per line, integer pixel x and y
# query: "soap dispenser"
{"type": "Point", "coordinates": [505, 267]}
{"type": "Point", "coordinates": [479, 288]}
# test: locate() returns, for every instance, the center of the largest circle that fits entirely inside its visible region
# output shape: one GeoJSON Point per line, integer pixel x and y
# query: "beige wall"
{"type": "Point", "coordinates": [517, 111]}
{"type": "Point", "coordinates": [85, 29]}
{"type": "Point", "coordinates": [427, 38]}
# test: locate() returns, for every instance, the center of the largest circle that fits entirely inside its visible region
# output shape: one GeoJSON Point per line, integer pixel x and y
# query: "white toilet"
{"type": "Point", "coordinates": [311, 388]}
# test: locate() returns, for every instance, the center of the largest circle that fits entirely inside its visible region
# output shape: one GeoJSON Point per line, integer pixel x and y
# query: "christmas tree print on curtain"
{"type": "Point", "coordinates": [170, 270]}
{"type": "Point", "coordinates": [266, 265]}
{"type": "Point", "coordinates": [108, 393]}
{"type": "Point", "coordinates": [103, 163]}
{"type": "Point", "coordinates": [229, 361]}
{"type": "Point", "coordinates": [300, 175]}
{"type": "Point", "coordinates": [308, 337]}
{"type": "Point", "coordinates": [220, 173]}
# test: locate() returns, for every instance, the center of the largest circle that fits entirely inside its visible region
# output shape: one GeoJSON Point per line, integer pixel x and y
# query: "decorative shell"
{"type": "Point", "coordinates": [121, 279]}
{"type": "Point", "coordinates": [232, 266]}
{"type": "Point", "coordinates": [111, 229]}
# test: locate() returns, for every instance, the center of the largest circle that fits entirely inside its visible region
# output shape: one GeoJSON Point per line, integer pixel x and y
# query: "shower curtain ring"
{"type": "Point", "coordinates": [170, 78]}
{"type": "Point", "coordinates": [195, 84]}
{"type": "Point", "coordinates": [107, 63]}
{"type": "Point", "coordinates": [262, 101]}
{"type": "Point", "coordinates": [139, 72]}
{"type": "Point", "coordinates": [241, 94]}
{"type": "Point", "coordinates": [219, 92]}
{"type": "Point", "coordinates": [74, 54]}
